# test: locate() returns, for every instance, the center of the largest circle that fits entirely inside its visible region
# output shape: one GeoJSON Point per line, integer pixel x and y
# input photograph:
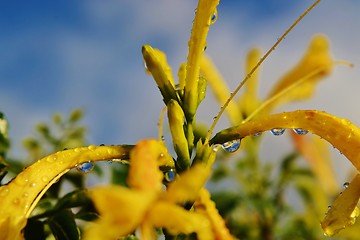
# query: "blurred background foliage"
{"type": "Point", "coordinates": [258, 199]}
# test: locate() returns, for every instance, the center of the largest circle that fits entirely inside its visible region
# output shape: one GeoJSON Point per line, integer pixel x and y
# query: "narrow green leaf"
{"type": "Point", "coordinates": [63, 226]}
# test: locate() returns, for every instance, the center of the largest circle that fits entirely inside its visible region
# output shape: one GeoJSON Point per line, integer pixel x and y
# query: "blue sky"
{"type": "Point", "coordinates": [59, 55]}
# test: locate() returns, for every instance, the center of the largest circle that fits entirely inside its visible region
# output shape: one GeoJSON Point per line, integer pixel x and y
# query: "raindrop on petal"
{"type": "Point", "coordinates": [85, 167]}
{"type": "Point", "coordinates": [300, 131]}
{"type": "Point", "coordinates": [170, 175]}
{"type": "Point", "coordinates": [346, 185]}
{"type": "Point", "coordinates": [4, 191]}
{"type": "Point", "coordinates": [216, 147]}
{"type": "Point", "coordinates": [214, 17]}
{"type": "Point", "coordinates": [277, 131]}
{"type": "Point", "coordinates": [147, 71]}
{"type": "Point", "coordinates": [231, 146]}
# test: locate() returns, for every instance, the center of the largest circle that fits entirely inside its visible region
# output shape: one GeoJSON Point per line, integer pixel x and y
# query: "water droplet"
{"type": "Point", "coordinates": [231, 146]}
{"type": "Point", "coordinates": [51, 158]}
{"type": "Point", "coordinates": [16, 201]}
{"type": "Point", "coordinates": [170, 175]}
{"type": "Point", "coordinates": [205, 47]}
{"type": "Point", "coordinates": [33, 184]}
{"type": "Point", "coordinates": [4, 191]}
{"type": "Point", "coordinates": [91, 147]}
{"type": "Point", "coordinates": [85, 167]}
{"type": "Point", "coordinates": [25, 195]}
{"type": "Point", "coordinates": [277, 131]}
{"type": "Point", "coordinates": [214, 17]}
{"type": "Point", "coordinates": [147, 71]}
{"type": "Point", "coordinates": [346, 185]}
{"type": "Point", "coordinates": [257, 134]}
{"type": "Point", "coordinates": [300, 131]}
{"type": "Point", "coordinates": [216, 147]}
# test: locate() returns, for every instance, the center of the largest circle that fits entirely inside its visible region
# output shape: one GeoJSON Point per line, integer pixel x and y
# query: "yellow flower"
{"type": "Point", "coordinates": [144, 205]}
{"type": "Point", "coordinates": [327, 126]}
{"type": "Point", "coordinates": [20, 196]}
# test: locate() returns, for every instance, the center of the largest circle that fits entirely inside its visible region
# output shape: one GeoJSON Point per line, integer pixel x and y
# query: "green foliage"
{"type": "Point", "coordinates": [255, 203]}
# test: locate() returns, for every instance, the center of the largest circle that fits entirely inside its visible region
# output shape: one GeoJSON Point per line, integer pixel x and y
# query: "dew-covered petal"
{"type": "Point", "coordinates": [344, 211]}
{"type": "Point", "coordinates": [145, 158]}
{"type": "Point", "coordinates": [177, 220]}
{"type": "Point", "coordinates": [340, 132]}
{"type": "Point", "coordinates": [202, 21]}
{"type": "Point", "coordinates": [219, 88]}
{"type": "Point", "coordinates": [187, 185]}
{"type": "Point", "coordinates": [121, 210]}
{"type": "Point", "coordinates": [317, 57]}
{"type": "Point", "coordinates": [157, 65]}
{"type": "Point", "coordinates": [206, 206]}
{"type": "Point", "coordinates": [19, 197]}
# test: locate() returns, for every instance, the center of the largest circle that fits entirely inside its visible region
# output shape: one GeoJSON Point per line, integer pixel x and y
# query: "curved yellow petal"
{"type": "Point", "coordinates": [207, 207]}
{"type": "Point", "coordinates": [145, 158]}
{"type": "Point", "coordinates": [204, 11]}
{"type": "Point", "coordinates": [10, 231]}
{"type": "Point", "coordinates": [219, 88]}
{"type": "Point", "coordinates": [187, 186]}
{"type": "Point", "coordinates": [19, 197]}
{"type": "Point", "coordinates": [156, 64]}
{"type": "Point", "coordinates": [344, 211]}
{"type": "Point", "coordinates": [121, 210]}
{"type": "Point", "coordinates": [340, 132]}
{"type": "Point", "coordinates": [316, 57]}
{"type": "Point", "coordinates": [178, 220]}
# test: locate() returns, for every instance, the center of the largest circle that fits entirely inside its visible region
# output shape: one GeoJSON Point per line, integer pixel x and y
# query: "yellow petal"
{"type": "Point", "coordinates": [182, 75]}
{"type": "Point", "coordinates": [317, 153]}
{"type": "Point", "coordinates": [344, 211]}
{"type": "Point", "coordinates": [187, 186]}
{"type": "Point", "coordinates": [178, 220]}
{"type": "Point", "coordinates": [249, 101]}
{"type": "Point", "coordinates": [219, 88]}
{"type": "Point", "coordinates": [121, 210]}
{"type": "Point", "coordinates": [176, 118]}
{"type": "Point", "coordinates": [19, 197]}
{"type": "Point", "coordinates": [207, 207]}
{"type": "Point", "coordinates": [316, 57]}
{"type": "Point", "coordinates": [145, 159]}
{"type": "Point", "coordinates": [156, 63]}
{"type": "Point", "coordinates": [9, 230]}
{"type": "Point", "coordinates": [202, 21]}
{"type": "Point", "coordinates": [340, 132]}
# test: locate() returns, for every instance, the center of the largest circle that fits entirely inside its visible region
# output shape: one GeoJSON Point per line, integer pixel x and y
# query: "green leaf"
{"type": "Point", "coordinates": [76, 198]}
{"type": "Point", "coordinates": [4, 141]}
{"type": "Point", "coordinates": [63, 226]}
{"type": "Point", "coordinates": [119, 173]}
{"type": "Point", "coordinates": [76, 115]}
{"type": "Point", "coordinates": [225, 201]}
{"type": "Point", "coordinates": [34, 230]}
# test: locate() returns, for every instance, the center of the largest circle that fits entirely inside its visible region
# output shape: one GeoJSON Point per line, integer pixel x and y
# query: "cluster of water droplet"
{"type": "Point", "coordinates": [232, 146]}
